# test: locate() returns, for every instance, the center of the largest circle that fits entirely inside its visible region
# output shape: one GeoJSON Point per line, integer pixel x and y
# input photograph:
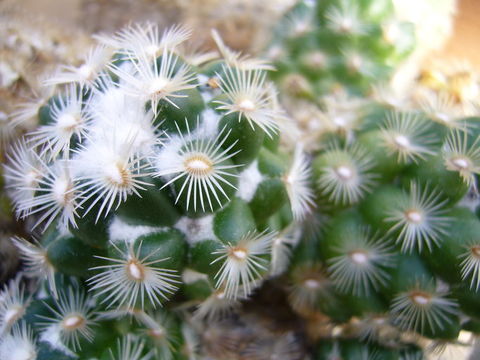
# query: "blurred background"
{"type": "Point", "coordinates": [236, 19]}
{"type": "Point", "coordinates": [446, 30]}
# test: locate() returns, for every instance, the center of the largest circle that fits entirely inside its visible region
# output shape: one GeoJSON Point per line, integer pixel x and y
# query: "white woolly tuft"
{"type": "Point", "coordinates": [111, 109]}
{"type": "Point", "coordinates": [18, 345]}
{"type": "Point", "coordinates": [202, 81]}
{"type": "Point", "coordinates": [209, 125]}
{"type": "Point", "coordinates": [120, 231]}
{"type": "Point", "coordinates": [248, 181]}
{"type": "Point", "coordinates": [190, 276]}
{"type": "Point", "coordinates": [52, 336]}
{"type": "Point", "coordinates": [196, 229]}
{"type": "Point", "coordinates": [167, 156]}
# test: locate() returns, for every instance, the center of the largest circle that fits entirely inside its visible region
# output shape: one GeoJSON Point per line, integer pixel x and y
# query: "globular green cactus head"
{"type": "Point", "coordinates": [322, 45]}
{"type": "Point", "coordinates": [155, 176]}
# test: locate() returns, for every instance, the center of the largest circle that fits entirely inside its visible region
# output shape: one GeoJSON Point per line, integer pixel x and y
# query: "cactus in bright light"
{"type": "Point", "coordinates": [170, 201]}
{"type": "Point", "coordinates": [154, 177]}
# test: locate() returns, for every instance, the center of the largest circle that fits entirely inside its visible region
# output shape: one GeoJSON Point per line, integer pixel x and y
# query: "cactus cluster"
{"type": "Point", "coordinates": [387, 262]}
{"type": "Point", "coordinates": [322, 46]}
{"type": "Point", "coordinates": [154, 179]}
{"type": "Point", "coordinates": [393, 259]}
{"type": "Point", "coordinates": [180, 213]}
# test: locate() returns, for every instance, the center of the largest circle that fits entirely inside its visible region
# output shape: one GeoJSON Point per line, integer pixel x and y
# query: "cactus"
{"type": "Point", "coordinates": [154, 179]}
{"type": "Point", "coordinates": [386, 262]}
{"type": "Point", "coordinates": [393, 260]}
{"type": "Point", "coordinates": [175, 219]}
{"type": "Point", "coordinates": [321, 46]}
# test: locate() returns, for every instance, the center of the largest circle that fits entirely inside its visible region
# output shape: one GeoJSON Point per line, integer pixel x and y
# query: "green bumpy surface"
{"type": "Point", "coordinates": [321, 46]}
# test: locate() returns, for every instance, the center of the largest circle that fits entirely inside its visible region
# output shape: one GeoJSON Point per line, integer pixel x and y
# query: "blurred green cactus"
{"type": "Point", "coordinates": [172, 195]}
{"type": "Point", "coordinates": [387, 256]}
{"type": "Point", "coordinates": [321, 46]}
